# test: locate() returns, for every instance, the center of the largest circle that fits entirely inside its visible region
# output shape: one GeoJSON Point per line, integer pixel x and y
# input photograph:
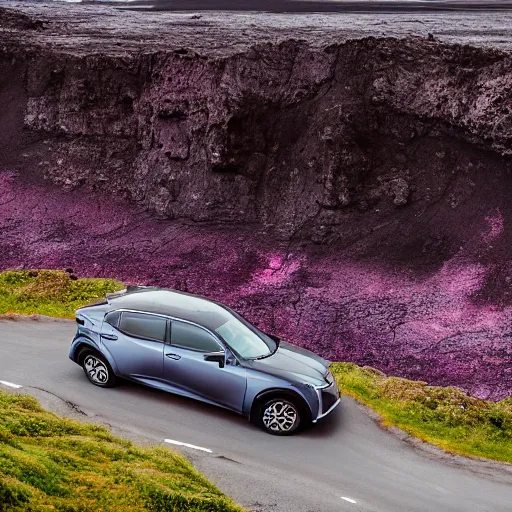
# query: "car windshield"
{"type": "Point", "coordinates": [245, 340]}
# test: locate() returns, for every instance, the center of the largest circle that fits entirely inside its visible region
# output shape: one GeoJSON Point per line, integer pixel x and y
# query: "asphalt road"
{"type": "Point", "coordinates": [345, 463]}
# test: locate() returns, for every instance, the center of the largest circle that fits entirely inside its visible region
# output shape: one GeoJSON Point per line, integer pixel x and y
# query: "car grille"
{"type": "Point", "coordinates": [329, 398]}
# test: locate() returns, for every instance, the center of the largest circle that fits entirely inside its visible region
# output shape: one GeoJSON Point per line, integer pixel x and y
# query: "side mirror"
{"type": "Point", "coordinates": [216, 357]}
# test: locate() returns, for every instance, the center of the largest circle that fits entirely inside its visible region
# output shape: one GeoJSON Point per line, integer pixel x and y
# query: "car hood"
{"type": "Point", "coordinates": [295, 362]}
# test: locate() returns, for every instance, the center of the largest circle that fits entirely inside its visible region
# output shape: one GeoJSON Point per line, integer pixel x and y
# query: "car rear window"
{"type": "Point", "coordinates": [140, 325]}
{"type": "Point", "coordinates": [192, 337]}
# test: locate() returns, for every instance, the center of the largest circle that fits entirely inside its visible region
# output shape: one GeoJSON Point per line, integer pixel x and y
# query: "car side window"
{"type": "Point", "coordinates": [192, 337]}
{"type": "Point", "coordinates": [112, 318]}
{"type": "Point", "coordinates": [139, 325]}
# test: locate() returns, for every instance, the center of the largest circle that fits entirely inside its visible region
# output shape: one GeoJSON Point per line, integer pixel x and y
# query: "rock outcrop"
{"type": "Point", "coordinates": [295, 139]}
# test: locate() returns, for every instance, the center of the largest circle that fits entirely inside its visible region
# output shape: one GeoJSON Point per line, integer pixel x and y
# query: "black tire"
{"type": "Point", "coordinates": [97, 369]}
{"type": "Point", "coordinates": [280, 416]}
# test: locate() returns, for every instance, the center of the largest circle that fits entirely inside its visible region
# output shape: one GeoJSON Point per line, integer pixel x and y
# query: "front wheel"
{"type": "Point", "coordinates": [97, 369]}
{"type": "Point", "coordinates": [280, 416]}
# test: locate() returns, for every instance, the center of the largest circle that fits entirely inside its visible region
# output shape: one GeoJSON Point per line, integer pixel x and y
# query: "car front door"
{"type": "Point", "coordinates": [186, 368]}
{"type": "Point", "coordinates": [136, 343]}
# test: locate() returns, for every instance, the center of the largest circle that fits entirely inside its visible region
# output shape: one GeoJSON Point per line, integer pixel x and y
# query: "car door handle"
{"type": "Point", "coordinates": [173, 356]}
{"type": "Point", "coordinates": [109, 336]}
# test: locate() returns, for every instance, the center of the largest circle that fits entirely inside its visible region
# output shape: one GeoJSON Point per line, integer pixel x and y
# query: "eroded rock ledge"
{"type": "Point", "coordinates": [360, 191]}
{"type": "Point", "coordinates": [283, 135]}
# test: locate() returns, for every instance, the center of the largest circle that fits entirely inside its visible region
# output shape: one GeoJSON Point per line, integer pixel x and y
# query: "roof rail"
{"type": "Point", "coordinates": [129, 289]}
{"type": "Point", "coordinates": [139, 288]}
{"type": "Point", "coordinates": [113, 295]}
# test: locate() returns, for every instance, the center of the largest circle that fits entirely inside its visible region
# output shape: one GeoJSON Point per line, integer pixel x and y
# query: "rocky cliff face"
{"type": "Point", "coordinates": [353, 197]}
{"type": "Point", "coordinates": [296, 139]}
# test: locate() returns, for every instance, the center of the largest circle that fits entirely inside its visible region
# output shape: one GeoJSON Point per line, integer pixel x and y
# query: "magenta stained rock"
{"type": "Point", "coordinates": [427, 327]}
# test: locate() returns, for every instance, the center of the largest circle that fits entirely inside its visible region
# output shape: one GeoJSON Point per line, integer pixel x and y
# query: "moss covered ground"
{"type": "Point", "coordinates": [49, 292]}
{"type": "Point", "coordinates": [443, 416]}
{"type": "Point", "coordinates": [52, 464]}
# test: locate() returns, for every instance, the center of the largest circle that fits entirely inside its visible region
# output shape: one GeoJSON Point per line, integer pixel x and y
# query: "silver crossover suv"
{"type": "Point", "coordinates": [201, 349]}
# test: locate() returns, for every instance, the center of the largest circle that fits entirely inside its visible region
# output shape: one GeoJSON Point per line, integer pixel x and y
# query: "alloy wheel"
{"type": "Point", "coordinates": [280, 416]}
{"type": "Point", "coordinates": [96, 369]}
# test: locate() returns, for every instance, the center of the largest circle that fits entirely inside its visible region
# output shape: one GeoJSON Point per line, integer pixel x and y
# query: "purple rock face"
{"type": "Point", "coordinates": [351, 198]}
{"type": "Point", "coordinates": [443, 326]}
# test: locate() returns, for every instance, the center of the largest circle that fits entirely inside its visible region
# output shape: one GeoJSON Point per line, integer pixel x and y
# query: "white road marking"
{"type": "Point", "coordinates": [193, 446]}
{"type": "Point", "coordinates": [10, 384]}
{"type": "Point", "coordinates": [350, 500]}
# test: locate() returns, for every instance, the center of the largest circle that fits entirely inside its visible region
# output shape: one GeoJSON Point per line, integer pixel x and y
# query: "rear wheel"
{"type": "Point", "coordinates": [280, 416]}
{"type": "Point", "coordinates": [97, 369]}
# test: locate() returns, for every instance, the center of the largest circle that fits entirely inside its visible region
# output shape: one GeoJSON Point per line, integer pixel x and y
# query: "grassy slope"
{"type": "Point", "coordinates": [445, 417]}
{"type": "Point", "coordinates": [49, 463]}
{"type": "Point", "coordinates": [49, 292]}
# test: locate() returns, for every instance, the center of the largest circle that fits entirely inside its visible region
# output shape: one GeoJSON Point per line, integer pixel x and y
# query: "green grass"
{"type": "Point", "coordinates": [49, 292]}
{"type": "Point", "coordinates": [445, 417]}
{"type": "Point", "coordinates": [48, 463]}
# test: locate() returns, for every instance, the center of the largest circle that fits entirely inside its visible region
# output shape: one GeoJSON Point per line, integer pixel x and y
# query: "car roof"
{"type": "Point", "coordinates": [180, 305]}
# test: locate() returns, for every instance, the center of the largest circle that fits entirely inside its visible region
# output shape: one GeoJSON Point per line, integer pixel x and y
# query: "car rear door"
{"type": "Point", "coordinates": [136, 343]}
{"type": "Point", "coordinates": [186, 368]}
